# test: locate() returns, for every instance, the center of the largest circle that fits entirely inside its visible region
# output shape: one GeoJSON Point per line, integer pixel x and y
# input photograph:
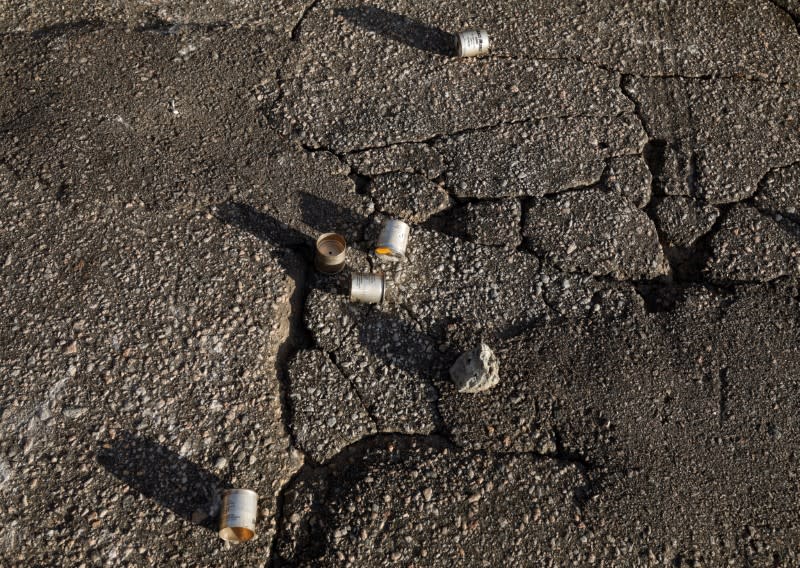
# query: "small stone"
{"type": "Point", "coordinates": [71, 349]}
{"type": "Point", "coordinates": [476, 370]}
{"type": "Point", "coordinates": [44, 413]}
{"type": "Point", "coordinates": [427, 493]}
{"type": "Point", "coordinates": [221, 463]}
{"type": "Point", "coordinates": [73, 412]}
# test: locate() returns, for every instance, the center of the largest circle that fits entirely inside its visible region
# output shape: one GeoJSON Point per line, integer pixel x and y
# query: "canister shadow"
{"type": "Point", "coordinates": [292, 243]}
{"type": "Point", "coordinates": [162, 475]}
{"type": "Point", "coordinates": [400, 28]}
{"type": "Point", "coordinates": [263, 226]}
{"type": "Point", "coordinates": [326, 216]}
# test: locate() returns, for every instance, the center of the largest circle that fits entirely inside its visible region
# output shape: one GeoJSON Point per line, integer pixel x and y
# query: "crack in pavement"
{"type": "Point", "coordinates": [624, 87]}
{"type": "Point", "coordinates": [295, 338]}
{"type": "Point", "coordinates": [795, 18]}
{"type": "Point", "coordinates": [293, 35]}
{"type": "Point", "coordinates": [316, 484]}
{"type": "Point", "coordinates": [713, 76]}
{"type": "Point", "coordinates": [333, 359]}
{"type": "Point", "coordinates": [323, 471]}
{"type": "Point", "coordinates": [431, 140]}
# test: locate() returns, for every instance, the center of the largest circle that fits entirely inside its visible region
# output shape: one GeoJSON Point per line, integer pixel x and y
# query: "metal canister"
{"type": "Point", "coordinates": [393, 240]}
{"type": "Point", "coordinates": [237, 521]}
{"type": "Point", "coordinates": [331, 253]}
{"type": "Point", "coordinates": [368, 288]}
{"type": "Point", "coordinates": [472, 43]}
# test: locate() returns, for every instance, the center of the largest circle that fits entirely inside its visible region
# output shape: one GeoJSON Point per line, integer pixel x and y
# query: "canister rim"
{"type": "Point", "coordinates": [236, 534]}
{"type": "Point", "coordinates": [228, 492]}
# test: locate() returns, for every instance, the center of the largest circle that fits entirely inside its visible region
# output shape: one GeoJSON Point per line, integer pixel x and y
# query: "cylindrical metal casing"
{"type": "Point", "coordinates": [237, 521]}
{"type": "Point", "coordinates": [331, 253]}
{"type": "Point", "coordinates": [393, 240]}
{"type": "Point", "coordinates": [472, 43]}
{"type": "Point", "coordinates": [367, 288]}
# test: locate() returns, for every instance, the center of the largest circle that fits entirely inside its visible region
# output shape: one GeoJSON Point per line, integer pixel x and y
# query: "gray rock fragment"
{"type": "Point", "coordinates": [706, 383]}
{"type": "Point", "coordinates": [476, 370]}
{"type": "Point", "coordinates": [682, 220]}
{"type": "Point", "coordinates": [596, 232]}
{"type": "Point", "coordinates": [629, 176]}
{"type": "Point", "coordinates": [73, 412]}
{"type": "Point", "coordinates": [494, 222]}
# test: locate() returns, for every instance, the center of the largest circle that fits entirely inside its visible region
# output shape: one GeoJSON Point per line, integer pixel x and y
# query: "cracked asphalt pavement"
{"type": "Point", "coordinates": [610, 200]}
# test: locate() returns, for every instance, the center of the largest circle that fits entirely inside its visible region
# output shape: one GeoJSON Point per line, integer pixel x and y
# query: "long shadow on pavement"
{"type": "Point", "coordinates": [400, 28]}
{"type": "Point", "coordinates": [164, 476]}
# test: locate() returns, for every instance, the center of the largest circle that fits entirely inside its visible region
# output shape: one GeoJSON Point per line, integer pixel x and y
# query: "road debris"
{"type": "Point", "coordinates": [476, 370]}
{"type": "Point", "coordinates": [237, 522]}
{"type": "Point", "coordinates": [368, 288]}
{"type": "Point", "coordinates": [472, 43]}
{"type": "Point", "coordinates": [393, 240]}
{"type": "Point", "coordinates": [331, 253]}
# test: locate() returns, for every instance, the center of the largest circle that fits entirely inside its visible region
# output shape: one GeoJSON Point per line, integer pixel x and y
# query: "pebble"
{"type": "Point", "coordinates": [476, 370]}
{"type": "Point", "coordinates": [73, 411]}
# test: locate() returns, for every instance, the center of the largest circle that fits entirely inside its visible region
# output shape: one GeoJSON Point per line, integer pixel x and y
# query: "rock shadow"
{"type": "Point", "coordinates": [400, 28]}
{"type": "Point", "coordinates": [162, 475]}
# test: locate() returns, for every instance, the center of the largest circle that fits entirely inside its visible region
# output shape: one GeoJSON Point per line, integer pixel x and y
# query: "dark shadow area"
{"type": "Point", "coordinates": [321, 214]}
{"type": "Point", "coordinates": [61, 29]}
{"type": "Point", "coordinates": [328, 217]}
{"type": "Point", "coordinates": [160, 474]}
{"type": "Point", "coordinates": [262, 225]}
{"type": "Point", "coordinates": [267, 228]}
{"type": "Point", "coordinates": [158, 25]}
{"type": "Point", "coordinates": [400, 28]}
{"type": "Point", "coordinates": [451, 222]}
{"type": "Point", "coordinates": [654, 156]}
{"type": "Point", "coordinates": [396, 342]}
{"type": "Point", "coordinates": [689, 263]}
{"type": "Point", "coordinates": [657, 297]}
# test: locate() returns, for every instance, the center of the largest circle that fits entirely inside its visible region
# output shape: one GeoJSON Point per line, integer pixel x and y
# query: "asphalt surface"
{"type": "Point", "coordinates": [610, 200]}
